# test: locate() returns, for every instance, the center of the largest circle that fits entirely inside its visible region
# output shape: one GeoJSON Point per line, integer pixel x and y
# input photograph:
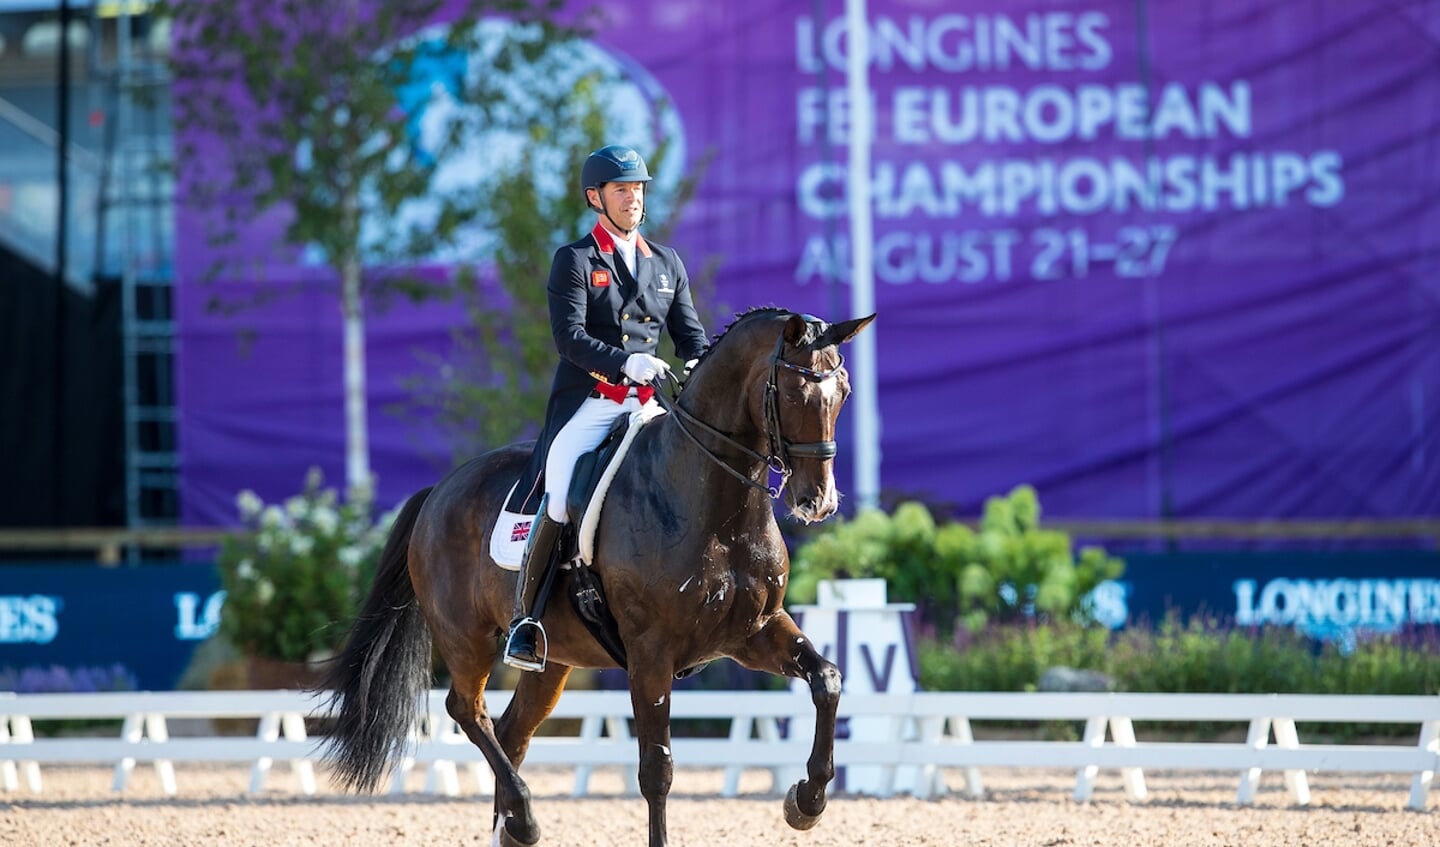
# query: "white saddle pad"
{"type": "Point", "coordinates": [508, 536]}
{"type": "Point", "coordinates": [512, 529]}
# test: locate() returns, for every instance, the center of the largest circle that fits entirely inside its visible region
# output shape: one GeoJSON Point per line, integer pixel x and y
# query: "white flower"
{"type": "Point", "coordinates": [249, 504]}
{"type": "Point", "coordinates": [301, 545]}
{"type": "Point", "coordinates": [264, 591]}
{"type": "Point", "coordinates": [326, 520]}
{"type": "Point", "coordinates": [296, 508]}
{"type": "Point", "coordinates": [349, 556]}
{"type": "Point", "coordinates": [245, 570]}
{"type": "Point", "coordinates": [314, 478]}
{"type": "Point", "coordinates": [273, 518]}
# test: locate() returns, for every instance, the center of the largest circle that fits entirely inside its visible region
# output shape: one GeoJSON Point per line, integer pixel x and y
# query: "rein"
{"type": "Point", "coordinates": [780, 449]}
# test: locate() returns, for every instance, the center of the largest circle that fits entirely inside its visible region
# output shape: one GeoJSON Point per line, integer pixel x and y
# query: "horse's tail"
{"type": "Point", "coordinates": [375, 683]}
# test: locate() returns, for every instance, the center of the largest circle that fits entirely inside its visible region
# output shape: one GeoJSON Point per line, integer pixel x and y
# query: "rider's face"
{"type": "Point", "coordinates": [625, 202]}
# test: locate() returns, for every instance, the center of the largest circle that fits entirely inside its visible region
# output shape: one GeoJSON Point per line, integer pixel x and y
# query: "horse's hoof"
{"type": "Point", "coordinates": [796, 818]}
{"type": "Point", "coordinates": [504, 838]}
{"type": "Point", "coordinates": [508, 840]}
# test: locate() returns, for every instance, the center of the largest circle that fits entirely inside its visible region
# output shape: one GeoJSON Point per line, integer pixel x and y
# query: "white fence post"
{"type": "Point", "coordinates": [17, 730]}
{"type": "Point", "coordinates": [1295, 782]}
{"type": "Point", "coordinates": [1094, 739]}
{"type": "Point", "coordinates": [961, 733]}
{"type": "Point", "coordinates": [1420, 786]}
{"type": "Point", "coordinates": [1123, 731]}
{"type": "Point", "coordinates": [1257, 739]}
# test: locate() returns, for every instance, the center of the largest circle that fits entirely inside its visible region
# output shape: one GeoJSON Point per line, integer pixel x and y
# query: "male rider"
{"type": "Point", "coordinates": [610, 294]}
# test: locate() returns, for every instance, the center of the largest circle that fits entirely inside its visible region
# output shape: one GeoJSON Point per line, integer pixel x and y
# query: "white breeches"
{"type": "Point", "coordinates": [581, 433]}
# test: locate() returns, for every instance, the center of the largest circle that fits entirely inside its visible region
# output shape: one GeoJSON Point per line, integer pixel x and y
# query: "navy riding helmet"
{"type": "Point", "coordinates": [613, 163]}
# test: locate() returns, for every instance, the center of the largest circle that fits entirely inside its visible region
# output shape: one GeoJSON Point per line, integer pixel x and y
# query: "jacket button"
{"type": "Point", "coordinates": [624, 338]}
{"type": "Point", "coordinates": [648, 339]}
{"type": "Point", "coordinates": [625, 317]}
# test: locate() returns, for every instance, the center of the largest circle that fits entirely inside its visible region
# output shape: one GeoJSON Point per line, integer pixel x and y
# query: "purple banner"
{"type": "Point", "coordinates": [1178, 259]}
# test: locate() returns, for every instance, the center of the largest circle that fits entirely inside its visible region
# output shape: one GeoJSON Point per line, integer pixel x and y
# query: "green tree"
{"type": "Point", "coordinates": [306, 101]}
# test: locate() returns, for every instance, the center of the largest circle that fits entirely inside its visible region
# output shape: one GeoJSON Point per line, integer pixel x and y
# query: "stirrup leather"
{"type": "Point", "coordinates": [540, 649]}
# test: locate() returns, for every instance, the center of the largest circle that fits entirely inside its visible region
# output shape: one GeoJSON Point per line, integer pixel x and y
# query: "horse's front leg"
{"type": "Point", "coordinates": [781, 648]}
{"type": "Point", "coordinates": [650, 688]}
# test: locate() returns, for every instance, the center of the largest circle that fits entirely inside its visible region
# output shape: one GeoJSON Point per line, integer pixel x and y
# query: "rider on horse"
{"type": "Point", "coordinates": [609, 293]}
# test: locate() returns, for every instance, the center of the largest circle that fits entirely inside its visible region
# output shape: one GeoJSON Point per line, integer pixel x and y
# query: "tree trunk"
{"type": "Point", "coordinates": [357, 438]}
{"type": "Point", "coordinates": [352, 304]}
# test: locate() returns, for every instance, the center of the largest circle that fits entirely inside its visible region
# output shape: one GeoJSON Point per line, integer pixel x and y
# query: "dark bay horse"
{"type": "Point", "coordinates": [687, 547]}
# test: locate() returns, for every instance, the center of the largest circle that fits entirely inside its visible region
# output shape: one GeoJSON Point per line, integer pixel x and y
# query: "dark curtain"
{"type": "Point", "coordinates": [62, 442]}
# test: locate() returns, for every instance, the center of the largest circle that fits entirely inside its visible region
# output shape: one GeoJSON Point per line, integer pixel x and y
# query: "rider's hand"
{"type": "Point", "coordinates": [690, 365]}
{"type": "Point", "coordinates": [643, 367]}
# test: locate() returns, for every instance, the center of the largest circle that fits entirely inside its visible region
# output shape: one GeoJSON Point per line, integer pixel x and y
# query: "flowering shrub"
{"type": "Point", "coordinates": [1009, 570]}
{"type": "Point", "coordinates": [295, 580]}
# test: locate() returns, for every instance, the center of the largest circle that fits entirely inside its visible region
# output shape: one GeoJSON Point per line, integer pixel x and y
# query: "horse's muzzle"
{"type": "Point", "coordinates": [815, 505]}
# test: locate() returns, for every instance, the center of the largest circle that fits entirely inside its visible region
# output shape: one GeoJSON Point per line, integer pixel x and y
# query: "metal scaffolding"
{"type": "Point", "coordinates": [136, 209]}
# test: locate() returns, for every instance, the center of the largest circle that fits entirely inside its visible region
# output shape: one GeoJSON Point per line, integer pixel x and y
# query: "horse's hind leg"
{"type": "Point", "coordinates": [466, 705]}
{"type": "Point", "coordinates": [534, 698]}
{"type": "Point", "coordinates": [781, 648]}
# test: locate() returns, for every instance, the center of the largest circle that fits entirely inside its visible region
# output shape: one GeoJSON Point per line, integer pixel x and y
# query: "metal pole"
{"type": "Point", "coordinates": [62, 148]}
{"type": "Point", "coordinates": [862, 282]}
{"type": "Point", "coordinates": [62, 248]}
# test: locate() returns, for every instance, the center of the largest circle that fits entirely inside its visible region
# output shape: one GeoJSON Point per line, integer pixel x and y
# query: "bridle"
{"type": "Point", "coordinates": [779, 449]}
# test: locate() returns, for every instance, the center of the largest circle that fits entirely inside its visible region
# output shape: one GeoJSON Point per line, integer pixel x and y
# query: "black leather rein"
{"type": "Point", "coordinates": [780, 449]}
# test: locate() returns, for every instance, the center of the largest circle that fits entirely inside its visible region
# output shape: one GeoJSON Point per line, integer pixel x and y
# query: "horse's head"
{"type": "Point", "coordinates": [806, 384]}
{"type": "Point", "coordinates": [771, 389]}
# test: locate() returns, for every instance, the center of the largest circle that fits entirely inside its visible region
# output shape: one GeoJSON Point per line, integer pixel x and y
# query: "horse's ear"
{"type": "Point", "coordinates": [796, 328]}
{"type": "Point", "coordinates": [837, 334]}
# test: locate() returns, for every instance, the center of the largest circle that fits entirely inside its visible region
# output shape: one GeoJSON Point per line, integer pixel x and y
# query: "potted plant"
{"type": "Point", "coordinates": [295, 577]}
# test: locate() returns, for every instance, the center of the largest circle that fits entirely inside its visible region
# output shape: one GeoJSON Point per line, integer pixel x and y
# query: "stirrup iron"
{"type": "Point", "coordinates": [541, 650]}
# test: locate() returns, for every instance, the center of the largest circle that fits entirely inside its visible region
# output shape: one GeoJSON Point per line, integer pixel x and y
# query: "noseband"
{"type": "Point", "coordinates": [780, 450]}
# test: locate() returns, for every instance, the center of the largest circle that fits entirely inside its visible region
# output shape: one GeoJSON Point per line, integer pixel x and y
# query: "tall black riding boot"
{"type": "Point", "coordinates": [521, 647]}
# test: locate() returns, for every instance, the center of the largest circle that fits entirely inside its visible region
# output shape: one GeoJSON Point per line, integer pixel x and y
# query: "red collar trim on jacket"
{"type": "Point", "coordinates": [606, 242]}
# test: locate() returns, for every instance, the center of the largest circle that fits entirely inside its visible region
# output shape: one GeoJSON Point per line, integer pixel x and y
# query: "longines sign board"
{"type": "Point", "coordinates": [1324, 595]}
{"type": "Point", "coordinates": [146, 619]}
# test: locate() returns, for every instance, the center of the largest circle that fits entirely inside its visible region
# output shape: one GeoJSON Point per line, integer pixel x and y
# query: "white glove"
{"type": "Point", "coordinates": [690, 365]}
{"type": "Point", "coordinates": [643, 367]}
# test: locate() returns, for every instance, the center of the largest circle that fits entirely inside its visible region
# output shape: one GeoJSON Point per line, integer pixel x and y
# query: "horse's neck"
{"type": "Point", "coordinates": [698, 478]}
{"type": "Point", "coordinates": [722, 407]}
{"type": "Point", "coordinates": [718, 394]}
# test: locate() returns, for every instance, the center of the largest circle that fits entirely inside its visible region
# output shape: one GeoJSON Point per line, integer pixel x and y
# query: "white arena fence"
{"type": "Point", "coordinates": [927, 731]}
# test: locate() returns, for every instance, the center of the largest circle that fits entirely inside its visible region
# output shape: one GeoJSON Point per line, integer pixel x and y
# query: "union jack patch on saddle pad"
{"type": "Point", "coordinates": [520, 531]}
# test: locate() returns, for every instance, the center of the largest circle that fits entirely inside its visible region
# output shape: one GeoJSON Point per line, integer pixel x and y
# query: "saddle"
{"type": "Point", "coordinates": [587, 595]}
{"type": "Point", "coordinates": [590, 469]}
{"type": "Point", "coordinates": [575, 551]}
{"type": "Point", "coordinates": [593, 472]}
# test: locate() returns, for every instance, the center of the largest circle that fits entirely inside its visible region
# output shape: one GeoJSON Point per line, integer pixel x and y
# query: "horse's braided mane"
{"type": "Point", "coordinates": [741, 317]}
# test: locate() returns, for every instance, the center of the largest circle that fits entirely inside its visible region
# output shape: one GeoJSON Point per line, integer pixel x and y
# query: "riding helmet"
{"type": "Point", "coordinates": [613, 163]}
